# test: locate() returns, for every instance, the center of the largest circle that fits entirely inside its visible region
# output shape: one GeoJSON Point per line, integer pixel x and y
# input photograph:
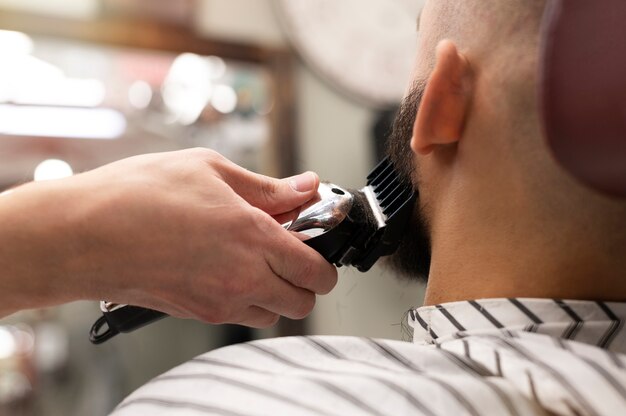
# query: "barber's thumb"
{"type": "Point", "coordinates": [284, 195]}
{"type": "Point", "coordinates": [304, 183]}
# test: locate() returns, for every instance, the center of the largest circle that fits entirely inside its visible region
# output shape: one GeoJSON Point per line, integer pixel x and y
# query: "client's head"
{"type": "Point", "coordinates": [497, 216]}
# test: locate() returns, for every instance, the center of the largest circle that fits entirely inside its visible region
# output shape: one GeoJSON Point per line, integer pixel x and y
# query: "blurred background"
{"type": "Point", "coordinates": [277, 86]}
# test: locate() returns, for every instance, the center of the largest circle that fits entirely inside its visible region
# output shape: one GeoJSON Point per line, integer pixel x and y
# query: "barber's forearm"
{"type": "Point", "coordinates": [178, 232]}
{"type": "Point", "coordinates": [36, 252]}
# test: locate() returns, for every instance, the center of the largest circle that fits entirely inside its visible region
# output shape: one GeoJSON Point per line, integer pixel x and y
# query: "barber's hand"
{"type": "Point", "coordinates": [191, 234]}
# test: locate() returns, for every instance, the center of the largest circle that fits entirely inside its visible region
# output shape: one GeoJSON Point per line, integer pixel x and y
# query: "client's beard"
{"type": "Point", "coordinates": [412, 259]}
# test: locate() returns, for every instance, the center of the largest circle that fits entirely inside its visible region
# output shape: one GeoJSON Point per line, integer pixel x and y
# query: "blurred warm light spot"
{"type": "Point", "coordinates": [217, 66]}
{"type": "Point", "coordinates": [52, 169]}
{"type": "Point", "coordinates": [8, 346]}
{"type": "Point", "coordinates": [188, 88]}
{"type": "Point", "coordinates": [64, 122]}
{"type": "Point", "coordinates": [224, 99]}
{"type": "Point", "coordinates": [25, 72]}
{"type": "Point", "coordinates": [25, 79]}
{"type": "Point", "coordinates": [140, 95]}
{"type": "Point", "coordinates": [64, 92]}
{"type": "Point", "coordinates": [14, 43]}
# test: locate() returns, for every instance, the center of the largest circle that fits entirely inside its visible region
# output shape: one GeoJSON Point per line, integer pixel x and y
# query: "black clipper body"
{"type": "Point", "coordinates": [118, 319]}
{"type": "Point", "coordinates": [348, 228]}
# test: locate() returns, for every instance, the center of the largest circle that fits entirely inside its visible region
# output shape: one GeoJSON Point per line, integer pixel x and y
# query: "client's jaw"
{"type": "Point", "coordinates": [413, 257]}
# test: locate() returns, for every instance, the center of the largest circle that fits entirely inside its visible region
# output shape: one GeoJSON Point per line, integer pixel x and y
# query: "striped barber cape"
{"type": "Point", "coordinates": [484, 357]}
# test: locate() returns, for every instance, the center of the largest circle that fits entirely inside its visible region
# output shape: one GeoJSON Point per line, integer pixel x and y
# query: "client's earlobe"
{"type": "Point", "coordinates": [441, 117]}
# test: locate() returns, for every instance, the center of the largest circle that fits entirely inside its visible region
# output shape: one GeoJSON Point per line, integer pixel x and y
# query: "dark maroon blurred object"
{"type": "Point", "coordinates": [583, 89]}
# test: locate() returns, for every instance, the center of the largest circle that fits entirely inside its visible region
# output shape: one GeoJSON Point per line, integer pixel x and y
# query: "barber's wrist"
{"type": "Point", "coordinates": [38, 237]}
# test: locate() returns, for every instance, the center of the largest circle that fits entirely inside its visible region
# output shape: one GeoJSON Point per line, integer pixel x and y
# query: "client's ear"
{"type": "Point", "coordinates": [446, 101]}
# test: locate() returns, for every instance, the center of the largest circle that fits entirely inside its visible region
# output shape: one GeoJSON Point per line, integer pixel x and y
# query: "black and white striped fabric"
{"type": "Point", "coordinates": [484, 357]}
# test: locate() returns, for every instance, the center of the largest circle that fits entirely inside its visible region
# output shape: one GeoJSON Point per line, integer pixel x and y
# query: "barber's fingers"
{"type": "Point", "coordinates": [283, 298]}
{"type": "Point", "coordinates": [274, 196]}
{"type": "Point", "coordinates": [298, 264]}
{"type": "Point", "coordinates": [287, 216]}
{"type": "Point", "coordinates": [256, 317]}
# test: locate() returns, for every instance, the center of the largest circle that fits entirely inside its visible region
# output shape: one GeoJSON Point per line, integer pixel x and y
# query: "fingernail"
{"type": "Point", "coordinates": [304, 182]}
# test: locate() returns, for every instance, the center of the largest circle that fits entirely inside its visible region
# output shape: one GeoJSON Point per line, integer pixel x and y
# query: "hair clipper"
{"type": "Point", "coordinates": [347, 227]}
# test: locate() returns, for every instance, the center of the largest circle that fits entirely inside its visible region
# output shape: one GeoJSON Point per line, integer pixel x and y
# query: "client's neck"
{"type": "Point", "coordinates": [527, 264]}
